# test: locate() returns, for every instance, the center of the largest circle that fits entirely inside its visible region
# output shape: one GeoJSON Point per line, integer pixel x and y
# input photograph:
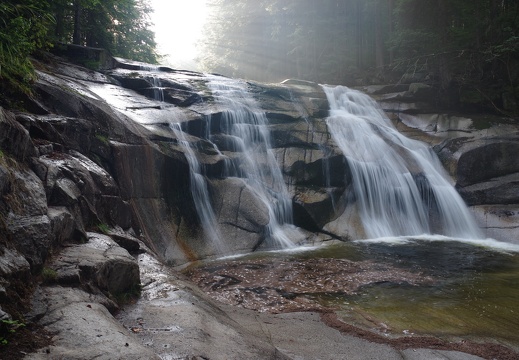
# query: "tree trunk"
{"type": "Point", "coordinates": [379, 37]}
{"type": "Point", "coordinates": [59, 30]}
{"type": "Point", "coordinates": [76, 37]}
{"type": "Point", "coordinates": [391, 8]}
{"type": "Point", "coordinates": [358, 34]}
{"type": "Point", "coordinates": [444, 72]}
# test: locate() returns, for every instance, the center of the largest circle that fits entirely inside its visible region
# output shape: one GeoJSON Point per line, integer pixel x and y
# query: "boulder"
{"type": "Point", "coordinates": [13, 265]}
{"type": "Point", "coordinates": [16, 282]}
{"type": "Point", "coordinates": [26, 221]}
{"type": "Point", "coordinates": [315, 207]}
{"type": "Point", "coordinates": [499, 221]}
{"type": "Point", "coordinates": [500, 190]}
{"type": "Point", "coordinates": [100, 262]}
{"type": "Point", "coordinates": [32, 237]}
{"type": "Point", "coordinates": [421, 91]}
{"type": "Point", "coordinates": [241, 214]}
{"type": "Point", "coordinates": [486, 159]}
{"type": "Point", "coordinates": [65, 226]}
{"type": "Point", "coordinates": [14, 138]}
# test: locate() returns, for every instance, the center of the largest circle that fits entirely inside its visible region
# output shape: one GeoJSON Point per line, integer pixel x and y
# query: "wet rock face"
{"type": "Point", "coordinates": [83, 327]}
{"type": "Point", "coordinates": [149, 164]}
{"type": "Point", "coordinates": [138, 176]}
{"type": "Point", "coordinates": [101, 155]}
{"type": "Point", "coordinates": [25, 216]}
{"type": "Point", "coordinates": [14, 138]}
{"type": "Point", "coordinates": [489, 160]}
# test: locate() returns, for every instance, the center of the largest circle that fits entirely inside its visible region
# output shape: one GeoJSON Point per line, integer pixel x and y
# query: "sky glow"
{"type": "Point", "coordinates": [178, 26]}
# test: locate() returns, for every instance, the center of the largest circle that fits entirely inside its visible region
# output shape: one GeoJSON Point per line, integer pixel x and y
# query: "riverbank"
{"type": "Point", "coordinates": [176, 320]}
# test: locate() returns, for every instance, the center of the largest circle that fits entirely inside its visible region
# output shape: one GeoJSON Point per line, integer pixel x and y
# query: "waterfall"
{"type": "Point", "coordinates": [158, 90]}
{"type": "Point", "coordinates": [400, 186]}
{"type": "Point", "coordinates": [198, 184]}
{"type": "Point", "coordinates": [199, 191]}
{"type": "Point", "coordinates": [245, 124]}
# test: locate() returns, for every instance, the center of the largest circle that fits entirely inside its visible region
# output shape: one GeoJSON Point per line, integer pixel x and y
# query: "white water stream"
{"type": "Point", "coordinates": [400, 186]}
{"type": "Point", "coordinates": [200, 192]}
{"type": "Point", "coordinates": [243, 120]}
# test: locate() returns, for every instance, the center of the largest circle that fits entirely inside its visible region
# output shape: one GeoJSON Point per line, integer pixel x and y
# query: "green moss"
{"type": "Point", "coordinates": [102, 138]}
{"type": "Point", "coordinates": [105, 229]}
{"type": "Point", "coordinates": [7, 329]}
{"type": "Point", "coordinates": [49, 275]}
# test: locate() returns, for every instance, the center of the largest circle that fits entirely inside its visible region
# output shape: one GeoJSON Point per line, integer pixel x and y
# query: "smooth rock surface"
{"type": "Point", "coordinates": [84, 329]}
{"type": "Point", "coordinates": [175, 320]}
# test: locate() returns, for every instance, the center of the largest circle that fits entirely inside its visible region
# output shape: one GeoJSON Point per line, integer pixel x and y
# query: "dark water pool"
{"type": "Point", "coordinates": [475, 293]}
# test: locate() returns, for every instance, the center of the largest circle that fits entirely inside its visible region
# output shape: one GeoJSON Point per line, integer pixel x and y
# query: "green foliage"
{"type": "Point", "coordinates": [91, 64]}
{"type": "Point", "coordinates": [120, 26]}
{"type": "Point", "coordinates": [23, 29]}
{"type": "Point", "coordinates": [8, 328]}
{"type": "Point", "coordinates": [105, 229]}
{"type": "Point", "coordinates": [459, 46]}
{"type": "Point", "coordinates": [49, 275]}
{"type": "Point", "coordinates": [271, 40]}
{"type": "Point", "coordinates": [102, 138]}
{"type": "Point", "coordinates": [468, 45]}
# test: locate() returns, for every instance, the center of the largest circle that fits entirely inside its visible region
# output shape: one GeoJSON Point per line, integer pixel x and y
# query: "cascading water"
{"type": "Point", "coordinates": [400, 186]}
{"type": "Point", "coordinates": [246, 124]}
{"type": "Point", "coordinates": [199, 191]}
{"type": "Point", "coordinates": [198, 184]}
{"type": "Point", "coordinates": [158, 90]}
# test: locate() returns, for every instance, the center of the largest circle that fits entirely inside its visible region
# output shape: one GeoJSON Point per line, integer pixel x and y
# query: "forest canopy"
{"type": "Point", "coordinates": [468, 49]}
{"type": "Point", "coordinates": [120, 26]}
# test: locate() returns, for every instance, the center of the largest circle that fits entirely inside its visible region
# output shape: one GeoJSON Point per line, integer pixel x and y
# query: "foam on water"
{"type": "Point", "coordinates": [490, 244]}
